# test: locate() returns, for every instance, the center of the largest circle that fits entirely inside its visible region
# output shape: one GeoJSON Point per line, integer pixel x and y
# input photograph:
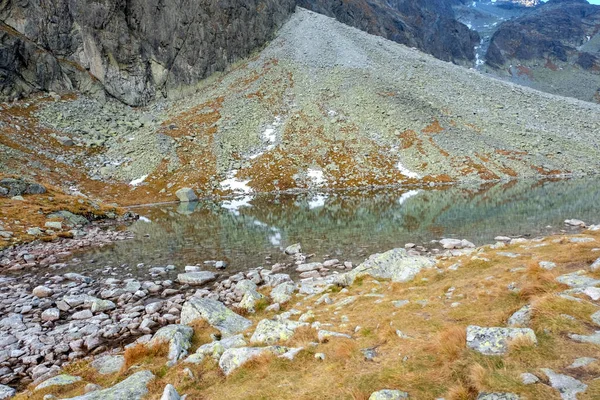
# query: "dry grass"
{"type": "Point", "coordinates": [143, 354]}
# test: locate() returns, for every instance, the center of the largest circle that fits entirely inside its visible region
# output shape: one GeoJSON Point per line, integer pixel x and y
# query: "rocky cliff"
{"type": "Point", "coordinates": [132, 50]}
{"type": "Point", "coordinates": [428, 25]}
{"type": "Point", "coordinates": [555, 48]}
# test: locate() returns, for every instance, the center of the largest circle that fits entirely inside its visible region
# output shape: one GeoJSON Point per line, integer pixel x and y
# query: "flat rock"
{"type": "Point", "coordinates": [133, 388]}
{"type": "Point", "coordinates": [309, 267]}
{"type": "Point", "coordinates": [218, 347]}
{"type": "Point", "coordinates": [325, 335]}
{"type": "Point", "coordinates": [234, 358]}
{"type": "Point", "coordinates": [594, 338]}
{"type": "Point", "coordinates": [396, 265]}
{"type": "Point", "coordinates": [567, 386]}
{"type": "Point", "coordinates": [58, 380]}
{"type": "Point", "coordinates": [549, 265]}
{"type": "Point", "coordinates": [6, 392]}
{"type": "Point", "coordinates": [494, 341]}
{"type": "Point", "coordinates": [271, 331]}
{"type": "Point", "coordinates": [577, 280]}
{"type": "Point", "coordinates": [179, 338]}
{"type": "Point", "coordinates": [388, 394]}
{"type": "Point", "coordinates": [108, 364]}
{"type": "Point", "coordinates": [575, 222]}
{"type": "Point", "coordinates": [582, 362]}
{"type": "Point", "coordinates": [497, 396]}
{"type": "Point", "coordinates": [216, 314]}
{"type": "Point", "coordinates": [196, 278]}
{"type": "Point", "coordinates": [283, 293]}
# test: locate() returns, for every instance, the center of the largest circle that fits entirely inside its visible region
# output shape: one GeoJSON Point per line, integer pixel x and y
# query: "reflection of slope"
{"type": "Point", "coordinates": [408, 195]}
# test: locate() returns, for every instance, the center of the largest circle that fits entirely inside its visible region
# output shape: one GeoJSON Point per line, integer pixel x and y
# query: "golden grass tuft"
{"type": "Point", "coordinates": [450, 343]}
{"type": "Point", "coordinates": [141, 353]}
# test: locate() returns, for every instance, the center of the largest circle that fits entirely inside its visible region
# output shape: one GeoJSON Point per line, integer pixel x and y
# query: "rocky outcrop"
{"type": "Point", "coordinates": [428, 25]}
{"type": "Point", "coordinates": [555, 48]}
{"type": "Point", "coordinates": [132, 50]}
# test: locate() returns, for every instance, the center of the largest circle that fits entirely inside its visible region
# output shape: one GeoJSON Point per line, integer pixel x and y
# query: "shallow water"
{"type": "Point", "coordinates": [345, 225]}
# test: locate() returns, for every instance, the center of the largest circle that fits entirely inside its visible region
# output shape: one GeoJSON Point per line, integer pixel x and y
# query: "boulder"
{"type": "Point", "coordinates": [234, 358]}
{"type": "Point", "coordinates": [521, 317]}
{"type": "Point", "coordinates": [6, 392]}
{"type": "Point", "coordinates": [179, 338]}
{"type": "Point", "coordinates": [196, 278]}
{"type": "Point", "coordinates": [395, 264]}
{"type": "Point", "coordinates": [283, 293]}
{"type": "Point", "coordinates": [388, 394]}
{"type": "Point", "coordinates": [249, 300]}
{"type": "Point", "coordinates": [568, 386]}
{"type": "Point", "coordinates": [133, 388]}
{"type": "Point", "coordinates": [497, 396]}
{"type": "Point", "coordinates": [51, 314]}
{"type": "Point", "coordinates": [69, 218]}
{"type": "Point", "coordinates": [108, 364]}
{"type": "Point", "coordinates": [272, 332]}
{"type": "Point", "coordinates": [102, 305]}
{"type": "Point", "coordinates": [42, 291]}
{"type": "Point", "coordinates": [216, 314]}
{"type": "Point", "coordinates": [58, 380]}
{"type": "Point", "coordinates": [218, 347]}
{"type": "Point", "coordinates": [170, 393]}
{"type": "Point", "coordinates": [186, 195]}
{"type": "Point", "coordinates": [495, 341]}
{"type": "Point", "coordinates": [293, 249]}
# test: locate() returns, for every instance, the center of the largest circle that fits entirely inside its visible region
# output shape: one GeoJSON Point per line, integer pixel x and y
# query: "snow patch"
{"type": "Point", "coordinates": [234, 184]}
{"type": "Point", "coordinates": [408, 195]}
{"type": "Point", "coordinates": [275, 239]}
{"type": "Point", "coordinates": [137, 182]}
{"type": "Point", "coordinates": [235, 204]}
{"type": "Point", "coordinates": [316, 176]}
{"type": "Point", "coordinates": [144, 219]}
{"type": "Point", "coordinates": [317, 201]}
{"type": "Point", "coordinates": [406, 172]}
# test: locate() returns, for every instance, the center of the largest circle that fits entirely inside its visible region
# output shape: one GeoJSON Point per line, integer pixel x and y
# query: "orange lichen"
{"type": "Point", "coordinates": [434, 127]}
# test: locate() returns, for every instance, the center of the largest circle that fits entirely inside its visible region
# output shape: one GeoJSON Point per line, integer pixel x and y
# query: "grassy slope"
{"type": "Point", "coordinates": [435, 361]}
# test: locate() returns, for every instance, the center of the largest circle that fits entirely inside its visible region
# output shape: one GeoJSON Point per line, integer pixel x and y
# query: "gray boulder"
{"type": "Point", "coordinates": [293, 249]}
{"type": "Point", "coordinates": [216, 314]}
{"type": "Point", "coordinates": [272, 332]}
{"type": "Point", "coordinates": [133, 388]}
{"type": "Point", "coordinates": [218, 347]}
{"type": "Point", "coordinates": [234, 358]}
{"type": "Point", "coordinates": [196, 278]}
{"type": "Point", "coordinates": [170, 393]}
{"type": "Point", "coordinates": [388, 394]}
{"type": "Point", "coordinates": [395, 264]}
{"type": "Point", "coordinates": [108, 364]}
{"type": "Point", "coordinates": [249, 300]}
{"type": "Point", "coordinates": [497, 396]}
{"type": "Point", "coordinates": [69, 218]}
{"type": "Point", "coordinates": [521, 317]}
{"type": "Point", "coordinates": [179, 338]}
{"type": "Point", "coordinates": [494, 341]}
{"type": "Point", "coordinates": [567, 386]}
{"type": "Point", "coordinates": [6, 392]}
{"type": "Point", "coordinates": [283, 293]}
{"type": "Point", "coordinates": [186, 195]}
{"type": "Point", "coordinates": [58, 380]}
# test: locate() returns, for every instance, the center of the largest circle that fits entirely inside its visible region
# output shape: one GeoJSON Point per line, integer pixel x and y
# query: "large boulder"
{"type": "Point", "coordinates": [133, 388]}
{"type": "Point", "coordinates": [568, 386]}
{"type": "Point", "coordinates": [179, 338]}
{"type": "Point", "coordinates": [495, 341]}
{"type": "Point", "coordinates": [271, 332]}
{"type": "Point", "coordinates": [196, 278]}
{"type": "Point", "coordinates": [6, 392]}
{"type": "Point", "coordinates": [395, 264]}
{"type": "Point", "coordinates": [216, 314]}
{"type": "Point", "coordinates": [17, 187]}
{"type": "Point", "coordinates": [186, 195]}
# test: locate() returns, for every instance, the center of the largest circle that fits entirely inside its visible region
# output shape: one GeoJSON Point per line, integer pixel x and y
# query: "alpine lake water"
{"type": "Point", "coordinates": [253, 231]}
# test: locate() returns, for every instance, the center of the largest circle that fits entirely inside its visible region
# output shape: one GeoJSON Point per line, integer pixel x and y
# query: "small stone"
{"type": "Point", "coordinates": [497, 396]}
{"type": "Point", "coordinates": [549, 265]}
{"type": "Point", "coordinates": [521, 317]}
{"type": "Point", "coordinates": [170, 393]}
{"type": "Point", "coordinates": [293, 249]}
{"type": "Point", "coordinates": [42, 291]}
{"type": "Point", "coordinates": [388, 394]}
{"type": "Point", "coordinates": [102, 305]}
{"type": "Point", "coordinates": [494, 341]}
{"type": "Point", "coordinates": [84, 314]}
{"type": "Point", "coordinates": [320, 356]}
{"type": "Point", "coordinates": [582, 362]}
{"type": "Point", "coordinates": [529, 379]}
{"type": "Point", "coordinates": [196, 278]}
{"type": "Point", "coordinates": [51, 314]}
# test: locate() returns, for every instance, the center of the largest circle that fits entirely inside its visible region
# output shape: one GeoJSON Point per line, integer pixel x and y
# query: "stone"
{"type": "Point", "coordinates": [320, 356]}
{"type": "Point", "coordinates": [179, 338]}
{"type": "Point", "coordinates": [456, 244]}
{"type": "Point", "coordinates": [108, 364]}
{"type": "Point", "coordinates": [582, 362]}
{"type": "Point", "coordinates": [102, 305]}
{"type": "Point", "coordinates": [216, 314]}
{"type": "Point", "coordinates": [186, 195]}
{"type": "Point", "coordinates": [521, 317]}
{"type": "Point", "coordinates": [309, 267]}
{"type": "Point", "coordinates": [249, 300]}
{"type": "Point", "coordinates": [196, 278]}
{"type": "Point", "coordinates": [51, 314]}
{"type": "Point", "coordinates": [388, 394]}
{"type": "Point", "coordinates": [594, 338]}
{"type": "Point", "coordinates": [274, 280]}
{"type": "Point", "coordinates": [84, 314]}
{"type": "Point", "coordinates": [58, 380]}
{"type": "Point", "coordinates": [69, 218]}
{"type": "Point", "coordinates": [91, 387]}
{"type": "Point", "coordinates": [134, 387]}
{"type": "Point", "coordinates": [6, 392]}
{"type": "Point", "coordinates": [42, 291]}
{"type": "Point", "coordinates": [529, 379]}
{"type": "Point", "coordinates": [396, 265]}
{"type": "Point", "coordinates": [170, 393]}
{"type": "Point", "coordinates": [494, 341]}
{"type": "Point", "coordinates": [581, 240]}
{"type": "Point", "coordinates": [271, 332]}
{"type": "Point", "coordinates": [497, 396]}
{"type": "Point", "coordinates": [324, 335]}
{"type": "Point", "coordinates": [235, 358]}
{"type": "Point", "coordinates": [595, 265]}
{"type": "Point", "coordinates": [293, 249]}
{"type": "Point", "coordinates": [567, 386]}
{"type": "Point", "coordinates": [596, 318]}
{"type": "Point", "coordinates": [53, 225]}
{"type": "Point", "coordinates": [577, 279]}
{"type": "Point", "coordinates": [218, 347]}
{"type": "Point", "coordinates": [575, 222]}
{"type": "Point", "coordinates": [549, 265]}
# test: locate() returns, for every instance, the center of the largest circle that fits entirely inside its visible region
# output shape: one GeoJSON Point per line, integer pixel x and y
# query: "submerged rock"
{"type": "Point", "coordinates": [494, 341]}
{"type": "Point", "coordinates": [216, 314]}
{"type": "Point", "coordinates": [133, 388]}
{"type": "Point", "coordinates": [395, 264]}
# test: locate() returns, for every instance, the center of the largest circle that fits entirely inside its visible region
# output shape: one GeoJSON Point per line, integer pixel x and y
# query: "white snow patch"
{"type": "Point", "coordinates": [234, 184]}
{"type": "Point", "coordinates": [261, 224]}
{"type": "Point", "coordinates": [138, 181]}
{"type": "Point", "coordinates": [317, 201]}
{"type": "Point", "coordinates": [406, 172]}
{"type": "Point", "coordinates": [144, 219]}
{"type": "Point", "coordinates": [316, 176]}
{"type": "Point", "coordinates": [235, 204]}
{"type": "Point", "coordinates": [408, 195]}
{"type": "Point", "coordinates": [275, 239]}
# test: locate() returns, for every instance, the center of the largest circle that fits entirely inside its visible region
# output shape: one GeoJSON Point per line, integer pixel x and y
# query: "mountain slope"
{"type": "Point", "coordinates": [323, 106]}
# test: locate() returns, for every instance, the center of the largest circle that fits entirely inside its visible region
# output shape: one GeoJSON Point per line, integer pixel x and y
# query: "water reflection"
{"type": "Point", "coordinates": [345, 225]}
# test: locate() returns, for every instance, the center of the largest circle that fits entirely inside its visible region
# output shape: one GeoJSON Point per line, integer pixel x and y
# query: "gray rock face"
{"type": "Point", "coordinates": [170, 393]}
{"type": "Point", "coordinates": [395, 264]}
{"type": "Point", "coordinates": [59, 380]}
{"type": "Point", "coordinates": [283, 293]}
{"type": "Point", "coordinates": [133, 50]}
{"type": "Point", "coordinates": [6, 392]}
{"type": "Point", "coordinates": [108, 364]}
{"type": "Point", "coordinates": [218, 347]}
{"type": "Point", "coordinates": [216, 314]}
{"type": "Point", "coordinates": [17, 187]}
{"type": "Point", "coordinates": [179, 339]}
{"type": "Point", "coordinates": [494, 341]}
{"type": "Point", "coordinates": [234, 358]}
{"type": "Point", "coordinates": [521, 317]}
{"type": "Point", "coordinates": [186, 195]}
{"type": "Point", "coordinates": [272, 332]}
{"type": "Point", "coordinates": [388, 394]}
{"type": "Point", "coordinates": [567, 386]}
{"type": "Point", "coordinates": [133, 388]}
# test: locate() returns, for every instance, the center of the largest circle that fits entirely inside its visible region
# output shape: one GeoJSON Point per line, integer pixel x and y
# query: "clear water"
{"type": "Point", "coordinates": [344, 225]}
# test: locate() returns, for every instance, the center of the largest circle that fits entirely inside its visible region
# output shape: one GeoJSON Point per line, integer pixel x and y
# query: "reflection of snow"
{"type": "Point", "coordinates": [317, 201]}
{"type": "Point", "coordinates": [406, 172]}
{"type": "Point", "coordinates": [234, 184]}
{"type": "Point", "coordinates": [408, 195]}
{"type": "Point", "coordinates": [316, 176]}
{"type": "Point", "coordinates": [138, 181]}
{"type": "Point", "coordinates": [275, 239]}
{"type": "Point", "coordinates": [144, 219]}
{"type": "Point", "coordinates": [235, 204]}
{"type": "Point", "coordinates": [261, 224]}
